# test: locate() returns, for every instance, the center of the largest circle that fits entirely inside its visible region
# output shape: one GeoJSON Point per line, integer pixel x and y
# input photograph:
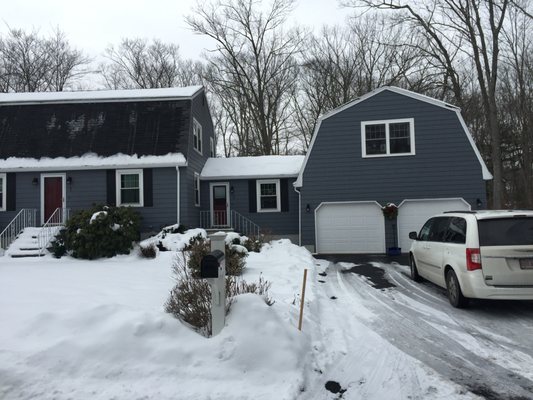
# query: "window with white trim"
{"type": "Point", "coordinates": [130, 187]}
{"type": "Point", "coordinates": [211, 147]}
{"type": "Point", "coordinates": [3, 187]}
{"type": "Point", "coordinates": [196, 189]}
{"type": "Point", "coordinates": [197, 135]}
{"type": "Point", "coordinates": [393, 137]}
{"type": "Point", "coordinates": [268, 195]}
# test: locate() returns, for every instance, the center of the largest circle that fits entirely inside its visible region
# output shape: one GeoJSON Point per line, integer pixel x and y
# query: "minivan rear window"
{"type": "Point", "coordinates": [506, 231]}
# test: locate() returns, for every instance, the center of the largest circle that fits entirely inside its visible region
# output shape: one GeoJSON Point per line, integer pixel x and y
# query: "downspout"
{"type": "Point", "coordinates": [299, 215]}
{"type": "Point", "coordinates": [178, 195]}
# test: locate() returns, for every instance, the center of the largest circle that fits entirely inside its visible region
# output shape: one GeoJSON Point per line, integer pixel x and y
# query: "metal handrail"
{"type": "Point", "coordinates": [236, 221]}
{"type": "Point", "coordinates": [51, 227]}
{"type": "Point", "coordinates": [25, 218]}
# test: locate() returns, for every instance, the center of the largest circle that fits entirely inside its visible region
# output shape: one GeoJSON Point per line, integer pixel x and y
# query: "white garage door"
{"type": "Point", "coordinates": [413, 213]}
{"type": "Point", "coordinates": [350, 228]}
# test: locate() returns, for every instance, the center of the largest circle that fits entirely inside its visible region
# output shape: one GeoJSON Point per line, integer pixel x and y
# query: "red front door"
{"type": "Point", "coordinates": [53, 195]}
{"type": "Point", "coordinates": [220, 205]}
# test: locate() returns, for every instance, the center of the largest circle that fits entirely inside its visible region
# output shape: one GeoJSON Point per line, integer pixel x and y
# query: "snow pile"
{"type": "Point", "coordinates": [82, 329]}
{"type": "Point", "coordinates": [91, 160]}
{"type": "Point", "coordinates": [173, 241]}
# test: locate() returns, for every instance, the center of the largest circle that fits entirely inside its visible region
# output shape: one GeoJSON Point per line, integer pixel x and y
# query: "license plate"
{"type": "Point", "coordinates": [526, 263]}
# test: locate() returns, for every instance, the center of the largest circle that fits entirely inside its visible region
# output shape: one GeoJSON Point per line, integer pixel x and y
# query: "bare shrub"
{"type": "Point", "coordinates": [148, 250]}
{"type": "Point", "coordinates": [199, 247]}
{"type": "Point", "coordinates": [190, 299]}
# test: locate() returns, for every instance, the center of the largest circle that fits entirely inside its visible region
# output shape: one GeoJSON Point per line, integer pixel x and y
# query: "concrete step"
{"type": "Point", "coordinates": [25, 253]}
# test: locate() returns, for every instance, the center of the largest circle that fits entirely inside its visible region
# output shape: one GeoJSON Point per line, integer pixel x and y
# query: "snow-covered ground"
{"type": "Point", "coordinates": [73, 329]}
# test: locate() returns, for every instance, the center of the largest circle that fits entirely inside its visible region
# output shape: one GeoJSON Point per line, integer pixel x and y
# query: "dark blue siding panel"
{"type": "Point", "coordinates": [277, 223]}
{"type": "Point", "coordinates": [445, 164]}
{"type": "Point", "coordinates": [90, 187]}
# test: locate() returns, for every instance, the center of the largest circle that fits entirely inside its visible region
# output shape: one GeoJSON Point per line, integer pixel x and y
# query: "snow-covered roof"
{"type": "Point", "coordinates": [91, 161]}
{"type": "Point", "coordinates": [484, 170]}
{"type": "Point", "coordinates": [252, 167]}
{"type": "Point", "coordinates": [96, 96]}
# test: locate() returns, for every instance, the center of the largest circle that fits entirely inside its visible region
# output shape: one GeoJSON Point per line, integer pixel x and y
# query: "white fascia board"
{"type": "Point", "coordinates": [233, 177]}
{"type": "Point", "coordinates": [487, 176]}
{"type": "Point", "coordinates": [300, 180]}
{"type": "Point", "coordinates": [93, 167]}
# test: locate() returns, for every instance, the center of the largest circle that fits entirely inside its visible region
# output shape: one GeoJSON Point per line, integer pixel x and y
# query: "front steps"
{"type": "Point", "coordinates": [25, 245]}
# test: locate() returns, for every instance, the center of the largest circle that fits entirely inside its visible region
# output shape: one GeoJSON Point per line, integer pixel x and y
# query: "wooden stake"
{"type": "Point", "coordinates": [302, 301]}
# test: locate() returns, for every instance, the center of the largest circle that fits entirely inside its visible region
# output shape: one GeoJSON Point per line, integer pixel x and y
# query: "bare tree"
{"type": "Point", "coordinates": [254, 69]}
{"type": "Point", "coordinates": [31, 63]}
{"type": "Point", "coordinates": [459, 30]}
{"type": "Point", "coordinates": [136, 63]}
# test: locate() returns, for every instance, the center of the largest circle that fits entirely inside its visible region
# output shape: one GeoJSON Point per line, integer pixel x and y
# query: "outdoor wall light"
{"type": "Point", "coordinates": [232, 190]}
{"type": "Point", "coordinates": [307, 208]}
{"type": "Point", "coordinates": [35, 181]}
{"type": "Point", "coordinates": [69, 180]}
{"type": "Point", "coordinates": [479, 203]}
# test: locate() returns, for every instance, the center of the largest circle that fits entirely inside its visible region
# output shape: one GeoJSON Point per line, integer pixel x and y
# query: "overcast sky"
{"type": "Point", "coordinates": [92, 25]}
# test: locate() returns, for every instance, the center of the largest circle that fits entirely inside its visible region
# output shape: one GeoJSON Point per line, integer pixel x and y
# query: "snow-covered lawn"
{"type": "Point", "coordinates": [97, 329]}
{"type": "Point", "coordinates": [73, 329]}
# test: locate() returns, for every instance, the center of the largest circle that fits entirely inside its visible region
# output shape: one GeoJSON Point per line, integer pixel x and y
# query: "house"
{"type": "Point", "coordinates": [388, 146]}
{"type": "Point", "coordinates": [70, 150]}
{"type": "Point", "coordinates": [154, 149]}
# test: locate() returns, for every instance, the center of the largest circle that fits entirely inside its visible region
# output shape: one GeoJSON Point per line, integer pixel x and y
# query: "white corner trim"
{"type": "Point", "coordinates": [3, 190]}
{"type": "Point", "coordinates": [197, 182]}
{"type": "Point", "coordinates": [258, 184]}
{"type": "Point", "coordinates": [484, 170]}
{"type": "Point", "coordinates": [118, 174]}
{"type": "Point", "coordinates": [178, 191]}
{"type": "Point", "coordinates": [300, 180]}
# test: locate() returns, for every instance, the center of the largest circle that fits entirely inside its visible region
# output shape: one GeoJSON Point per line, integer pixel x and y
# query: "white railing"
{"type": "Point", "coordinates": [244, 225]}
{"type": "Point", "coordinates": [236, 221]}
{"type": "Point", "coordinates": [51, 227]}
{"type": "Point", "coordinates": [25, 218]}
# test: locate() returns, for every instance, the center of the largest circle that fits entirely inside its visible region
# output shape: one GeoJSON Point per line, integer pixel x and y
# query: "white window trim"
{"type": "Point", "coordinates": [387, 122]}
{"type": "Point", "coordinates": [121, 172]}
{"type": "Point", "coordinates": [197, 182]}
{"type": "Point", "coordinates": [258, 195]}
{"type": "Point", "coordinates": [211, 147]}
{"type": "Point", "coordinates": [4, 190]}
{"type": "Point", "coordinates": [199, 140]}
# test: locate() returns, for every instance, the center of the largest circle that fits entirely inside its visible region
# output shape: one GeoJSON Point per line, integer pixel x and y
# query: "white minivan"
{"type": "Point", "coordinates": [476, 254]}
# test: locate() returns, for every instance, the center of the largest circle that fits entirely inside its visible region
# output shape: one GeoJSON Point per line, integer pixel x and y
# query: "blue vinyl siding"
{"type": "Point", "coordinates": [445, 164]}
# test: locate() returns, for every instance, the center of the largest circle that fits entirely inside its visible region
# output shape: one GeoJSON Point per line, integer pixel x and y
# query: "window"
{"type": "Point", "coordinates": [388, 138]}
{"type": "Point", "coordinates": [196, 189]}
{"type": "Point", "coordinates": [130, 187]}
{"type": "Point", "coordinates": [2, 192]}
{"type": "Point", "coordinates": [456, 232]}
{"type": "Point", "coordinates": [424, 232]}
{"type": "Point", "coordinates": [516, 231]}
{"type": "Point", "coordinates": [438, 229]}
{"type": "Point", "coordinates": [268, 195]}
{"type": "Point", "coordinates": [211, 147]}
{"type": "Point", "coordinates": [197, 135]}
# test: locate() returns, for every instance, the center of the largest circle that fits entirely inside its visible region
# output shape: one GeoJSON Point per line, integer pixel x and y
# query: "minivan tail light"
{"type": "Point", "coordinates": [473, 259]}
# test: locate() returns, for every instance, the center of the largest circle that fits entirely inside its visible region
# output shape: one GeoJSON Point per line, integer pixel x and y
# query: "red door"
{"type": "Point", "coordinates": [53, 195]}
{"type": "Point", "coordinates": [220, 205]}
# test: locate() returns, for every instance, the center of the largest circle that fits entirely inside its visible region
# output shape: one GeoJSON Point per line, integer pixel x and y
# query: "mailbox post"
{"type": "Point", "coordinates": [213, 268]}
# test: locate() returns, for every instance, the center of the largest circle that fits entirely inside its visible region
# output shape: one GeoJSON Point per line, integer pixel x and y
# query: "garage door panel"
{"type": "Point", "coordinates": [412, 214]}
{"type": "Point", "coordinates": [350, 228]}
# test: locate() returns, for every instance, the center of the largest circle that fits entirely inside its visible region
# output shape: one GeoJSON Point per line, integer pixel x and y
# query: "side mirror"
{"type": "Point", "coordinates": [413, 235]}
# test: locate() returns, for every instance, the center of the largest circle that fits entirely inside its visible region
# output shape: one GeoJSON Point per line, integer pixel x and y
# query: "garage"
{"type": "Point", "coordinates": [350, 227]}
{"type": "Point", "coordinates": [413, 213]}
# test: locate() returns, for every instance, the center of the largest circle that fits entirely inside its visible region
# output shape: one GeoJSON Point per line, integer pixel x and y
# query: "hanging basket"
{"type": "Point", "coordinates": [390, 210]}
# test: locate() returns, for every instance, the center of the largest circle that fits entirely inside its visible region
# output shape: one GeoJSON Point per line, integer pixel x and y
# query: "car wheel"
{"type": "Point", "coordinates": [414, 271]}
{"type": "Point", "coordinates": [455, 295]}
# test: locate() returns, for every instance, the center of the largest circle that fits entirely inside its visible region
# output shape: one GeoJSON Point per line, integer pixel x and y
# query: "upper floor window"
{"type": "Point", "coordinates": [211, 147]}
{"type": "Point", "coordinates": [196, 189]}
{"type": "Point", "coordinates": [197, 135]}
{"type": "Point", "coordinates": [2, 192]}
{"type": "Point", "coordinates": [268, 195]}
{"type": "Point", "coordinates": [394, 137]}
{"type": "Point", "coordinates": [130, 187]}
